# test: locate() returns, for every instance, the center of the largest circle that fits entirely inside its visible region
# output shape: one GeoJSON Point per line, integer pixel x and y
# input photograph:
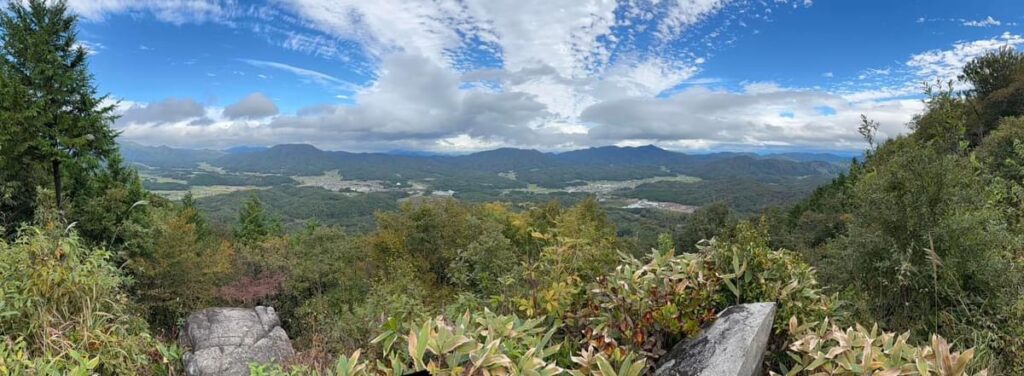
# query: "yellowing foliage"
{"type": "Point", "coordinates": [825, 349]}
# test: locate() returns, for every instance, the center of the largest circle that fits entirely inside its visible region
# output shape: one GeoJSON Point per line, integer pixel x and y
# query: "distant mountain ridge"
{"type": "Point", "coordinates": [528, 165]}
{"type": "Point", "coordinates": [244, 149]}
{"type": "Point", "coordinates": [166, 157]}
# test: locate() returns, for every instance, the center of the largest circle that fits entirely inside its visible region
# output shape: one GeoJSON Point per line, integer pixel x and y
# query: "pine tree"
{"type": "Point", "coordinates": [190, 210]}
{"type": "Point", "coordinates": [110, 205]}
{"type": "Point", "coordinates": [254, 224]}
{"type": "Point", "coordinates": [52, 115]}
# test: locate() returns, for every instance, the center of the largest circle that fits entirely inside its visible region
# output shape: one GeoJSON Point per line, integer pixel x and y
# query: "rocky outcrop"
{"type": "Point", "coordinates": [733, 345]}
{"type": "Point", "coordinates": [224, 341]}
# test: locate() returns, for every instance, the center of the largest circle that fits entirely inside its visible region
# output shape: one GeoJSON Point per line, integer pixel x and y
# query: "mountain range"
{"type": "Point", "coordinates": [526, 165]}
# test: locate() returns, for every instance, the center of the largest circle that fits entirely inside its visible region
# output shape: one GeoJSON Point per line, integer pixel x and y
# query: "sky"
{"type": "Point", "coordinates": [456, 76]}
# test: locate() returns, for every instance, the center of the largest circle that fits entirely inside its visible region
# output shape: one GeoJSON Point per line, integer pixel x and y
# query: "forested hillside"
{"type": "Point", "coordinates": [909, 262]}
{"type": "Point", "coordinates": [529, 166]}
{"type": "Point", "coordinates": [618, 176]}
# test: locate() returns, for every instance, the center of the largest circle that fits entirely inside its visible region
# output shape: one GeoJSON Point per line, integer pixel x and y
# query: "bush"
{"type": "Point", "coordinates": [930, 248]}
{"type": "Point", "coordinates": [62, 310]}
{"type": "Point", "coordinates": [752, 272]}
{"type": "Point", "coordinates": [473, 344]}
{"type": "Point", "coordinates": [182, 269]}
{"type": "Point", "coordinates": [647, 307]}
{"type": "Point", "coordinates": [1003, 150]}
{"type": "Point", "coordinates": [825, 349]}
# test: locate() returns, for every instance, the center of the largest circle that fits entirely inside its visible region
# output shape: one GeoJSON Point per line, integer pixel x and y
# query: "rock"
{"type": "Point", "coordinates": [224, 341]}
{"type": "Point", "coordinates": [733, 345]}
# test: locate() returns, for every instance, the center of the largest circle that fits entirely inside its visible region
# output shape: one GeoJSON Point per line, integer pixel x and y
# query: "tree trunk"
{"type": "Point", "coordinates": [57, 189]}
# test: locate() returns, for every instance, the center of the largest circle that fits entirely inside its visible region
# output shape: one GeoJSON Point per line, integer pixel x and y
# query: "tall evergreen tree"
{"type": "Point", "coordinates": [253, 222]}
{"type": "Point", "coordinates": [51, 113]}
{"type": "Point", "coordinates": [191, 211]}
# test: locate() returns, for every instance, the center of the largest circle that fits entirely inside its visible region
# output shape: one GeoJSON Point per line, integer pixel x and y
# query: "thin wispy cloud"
{"type": "Point", "coordinates": [319, 78]}
{"type": "Point", "coordinates": [987, 22]}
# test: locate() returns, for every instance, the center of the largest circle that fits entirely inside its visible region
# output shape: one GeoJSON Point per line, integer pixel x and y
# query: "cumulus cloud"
{"type": "Point", "coordinates": [567, 45]}
{"type": "Point", "coordinates": [169, 110]}
{"type": "Point", "coordinates": [763, 113]}
{"type": "Point", "coordinates": [751, 117]}
{"type": "Point", "coordinates": [415, 102]}
{"type": "Point", "coordinates": [420, 104]}
{"type": "Point", "coordinates": [418, 99]}
{"type": "Point", "coordinates": [566, 73]}
{"type": "Point", "coordinates": [253, 106]}
{"type": "Point", "coordinates": [555, 58]}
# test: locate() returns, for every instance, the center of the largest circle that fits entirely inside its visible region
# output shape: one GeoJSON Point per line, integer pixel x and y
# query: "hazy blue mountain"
{"type": "Point", "coordinates": [294, 159]}
{"type": "Point", "coordinates": [244, 149]}
{"type": "Point", "coordinates": [811, 157]}
{"type": "Point", "coordinates": [615, 155]}
{"type": "Point", "coordinates": [759, 169]}
{"type": "Point", "coordinates": [413, 153]}
{"type": "Point", "coordinates": [482, 168]}
{"type": "Point", "coordinates": [166, 157]}
{"type": "Point", "coordinates": [504, 159]}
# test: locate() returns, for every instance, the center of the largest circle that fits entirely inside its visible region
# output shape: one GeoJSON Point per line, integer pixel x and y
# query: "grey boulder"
{"type": "Point", "coordinates": [224, 341]}
{"type": "Point", "coordinates": [733, 345]}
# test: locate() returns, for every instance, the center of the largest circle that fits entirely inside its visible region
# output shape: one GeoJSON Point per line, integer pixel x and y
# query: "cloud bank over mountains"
{"type": "Point", "coordinates": [461, 75]}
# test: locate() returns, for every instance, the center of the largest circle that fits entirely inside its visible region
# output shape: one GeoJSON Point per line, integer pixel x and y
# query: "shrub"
{"type": "Point", "coordinates": [825, 349]}
{"type": "Point", "coordinates": [930, 249]}
{"type": "Point", "coordinates": [1003, 150]}
{"type": "Point", "coordinates": [62, 310]}
{"type": "Point", "coordinates": [647, 307]}
{"type": "Point", "coordinates": [752, 272]}
{"type": "Point", "coordinates": [181, 271]}
{"type": "Point", "coordinates": [473, 344]}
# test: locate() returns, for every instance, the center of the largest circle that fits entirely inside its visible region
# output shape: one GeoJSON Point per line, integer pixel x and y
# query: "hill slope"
{"type": "Point", "coordinates": [528, 166]}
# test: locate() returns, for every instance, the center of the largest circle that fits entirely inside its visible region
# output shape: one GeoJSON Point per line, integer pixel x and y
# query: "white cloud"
{"type": "Point", "coordinates": [567, 78]}
{"type": "Point", "coordinates": [555, 56]}
{"type": "Point", "coordinates": [558, 33]}
{"type": "Point", "coordinates": [945, 65]}
{"type": "Point", "coordinates": [172, 11]}
{"type": "Point", "coordinates": [253, 106]}
{"type": "Point", "coordinates": [166, 111]}
{"type": "Point", "coordinates": [928, 67]}
{"type": "Point", "coordinates": [310, 75]}
{"type": "Point", "coordinates": [415, 102]}
{"type": "Point", "coordinates": [684, 13]}
{"type": "Point", "coordinates": [701, 116]}
{"type": "Point", "coordinates": [987, 22]}
{"type": "Point", "coordinates": [571, 40]}
{"type": "Point", "coordinates": [427, 28]}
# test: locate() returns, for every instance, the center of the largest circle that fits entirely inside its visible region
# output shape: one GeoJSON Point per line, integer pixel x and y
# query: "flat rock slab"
{"type": "Point", "coordinates": [733, 345]}
{"type": "Point", "coordinates": [224, 341]}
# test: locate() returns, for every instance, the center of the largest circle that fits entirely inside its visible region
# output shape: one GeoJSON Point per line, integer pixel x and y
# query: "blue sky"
{"type": "Point", "coordinates": [462, 75]}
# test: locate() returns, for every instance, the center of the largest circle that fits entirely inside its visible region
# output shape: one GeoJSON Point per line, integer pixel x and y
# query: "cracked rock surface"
{"type": "Point", "coordinates": [224, 341]}
{"type": "Point", "coordinates": [733, 345]}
